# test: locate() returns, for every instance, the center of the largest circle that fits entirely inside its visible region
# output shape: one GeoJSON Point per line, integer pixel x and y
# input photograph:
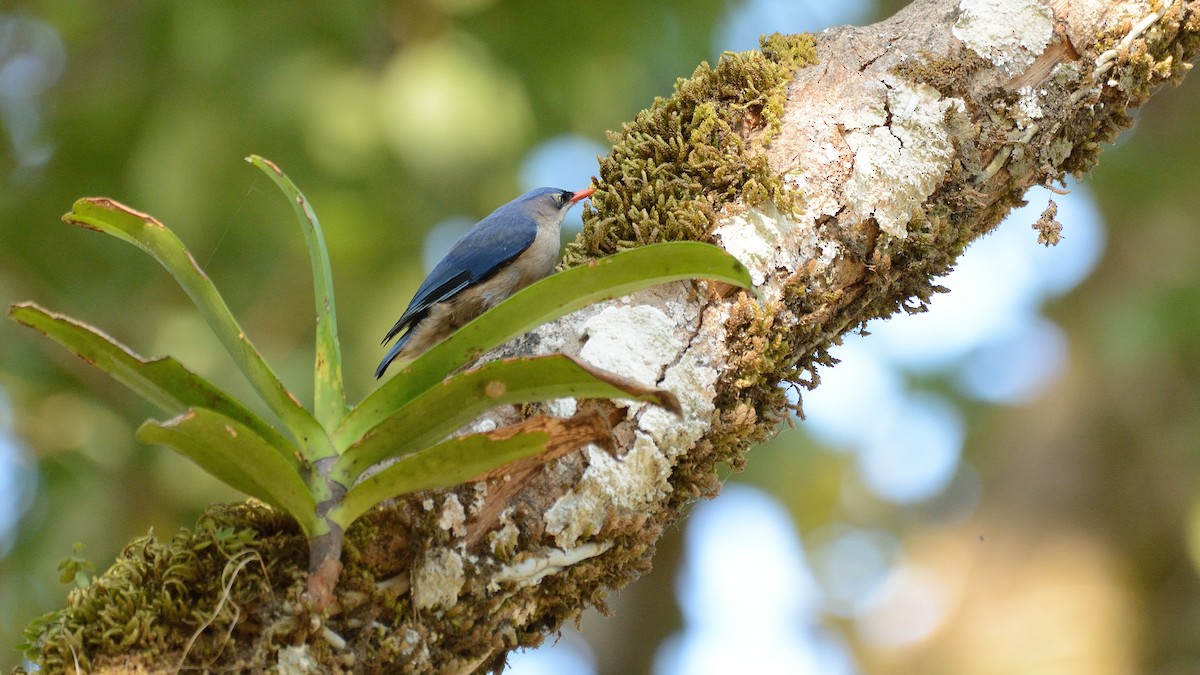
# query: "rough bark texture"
{"type": "Point", "coordinates": [906, 141]}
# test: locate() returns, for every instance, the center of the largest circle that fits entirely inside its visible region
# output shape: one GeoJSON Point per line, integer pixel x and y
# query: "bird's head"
{"type": "Point", "coordinates": [550, 204]}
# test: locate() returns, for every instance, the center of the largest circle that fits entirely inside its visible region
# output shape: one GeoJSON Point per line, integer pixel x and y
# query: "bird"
{"type": "Point", "coordinates": [512, 247]}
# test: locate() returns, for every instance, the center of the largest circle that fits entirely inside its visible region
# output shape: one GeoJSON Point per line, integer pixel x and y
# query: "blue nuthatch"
{"type": "Point", "coordinates": [514, 246]}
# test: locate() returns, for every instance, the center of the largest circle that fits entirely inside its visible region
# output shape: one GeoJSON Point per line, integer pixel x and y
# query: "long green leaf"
{"type": "Point", "coordinates": [450, 463]}
{"type": "Point", "coordinates": [329, 393]}
{"type": "Point", "coordinates": [163, 382]}
{"type": "Point", "coordinates": [461, 459]}
{"type": "Point", "coordinates": [233, 453]}
{"type": "Point", "coordinates": [141, 230]}
{"type": "Point", "coordinates": [441, 410]}
{"type": "Point", "coordinates": [546, 300]}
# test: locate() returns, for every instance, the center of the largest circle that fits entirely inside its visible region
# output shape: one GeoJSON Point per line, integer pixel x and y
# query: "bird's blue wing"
{"type": "Point", "coordinates": [492, 243]}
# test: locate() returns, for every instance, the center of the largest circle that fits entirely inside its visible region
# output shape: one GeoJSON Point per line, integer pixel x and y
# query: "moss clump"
{"type": "Point", "coordinates": [674, 167]}
{"type": "Point", "coordinates": [156, 586]}
{"type": "Point", "coordinates": [948, 76]}
{"type": "Point", "coordinates": [774, 348]}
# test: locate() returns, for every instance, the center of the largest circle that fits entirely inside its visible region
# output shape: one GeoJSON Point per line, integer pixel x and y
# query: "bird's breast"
{"type": "Point", "coordinates": [538, 260]}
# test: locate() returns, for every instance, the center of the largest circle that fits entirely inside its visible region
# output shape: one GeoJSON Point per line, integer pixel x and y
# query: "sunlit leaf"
{"type": "Point", "coordinates": [163, 382]}
{"type": "Point", "coordinates": [238, 457]}
{"type": "Point", "coordinates": [461, 459]}
{"type": "Point", "coordinates": [444, 408]}
{"type": "Point", "coordinates": [329, 392]}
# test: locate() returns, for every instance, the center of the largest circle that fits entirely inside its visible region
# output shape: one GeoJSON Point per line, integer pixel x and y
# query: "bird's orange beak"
{"type": "Point", "coordinates": [582, 194]}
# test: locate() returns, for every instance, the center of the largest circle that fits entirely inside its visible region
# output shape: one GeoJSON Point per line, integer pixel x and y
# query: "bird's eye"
{"type": "Point", "coordinates": [560, 199]}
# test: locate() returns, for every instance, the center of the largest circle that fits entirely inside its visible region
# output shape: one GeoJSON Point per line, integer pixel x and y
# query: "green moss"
{"type": "Point", "coordinates": [772, 349]}
{"type": "Point", "coordinates": [156, 586]}
{"type": "Point", "coordinates": [945, 75]}
{"type": "Point", "coordinates": [679, 162]}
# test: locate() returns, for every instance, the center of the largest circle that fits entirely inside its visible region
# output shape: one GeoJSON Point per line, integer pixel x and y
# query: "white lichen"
{"type": "Point", "coordinates": [479, 425]}
{"type": "Point", "coordinates": [410, 640]}
{"type": "Point", "coordinates": [453, 517]}
{"type": "Point", "coordinates": [1011, 34]}
{"type": "Point", "coordinates": [630, 483]}
{"type": "Point", "coordinates": [821, 200]}
{"type": "Point", "coordinates": [532, 569]}
{"type": "Point", "coordinates": [826, 252]}
{"type": "Point", "coordinates": [642, 342]}
{"type": "Point", "coordinates": [479, 498]}
{"type": "Point", "coordinates": [562, 407]}
{"type": "Point", "coordinates": [634, 342]}
{"type": "Point", "coordinates": [438, 579]}
{"type": "Point", "coordinates": [503, 541]}
{"type": "Point", "coordinates": [296, 660]}
{"type": "Point", "coordinates": [408, 643]}
{"type": "Point", "coordinates": [694, 384]}
{"type": "Point", "coordinates": [899, 162]}
{"type": "Point", "coordinates": [753, 237]}
{"type": "Point", "coordinates": [765, 240]}
{"type": "Point", "coordinates": [1028, 107]}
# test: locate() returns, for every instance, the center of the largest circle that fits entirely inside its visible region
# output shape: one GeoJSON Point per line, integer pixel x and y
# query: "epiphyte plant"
{"type": "Point", "coordinates": [313, 464]}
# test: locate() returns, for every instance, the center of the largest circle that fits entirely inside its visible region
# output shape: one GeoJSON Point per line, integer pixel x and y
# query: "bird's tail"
{"type": "Point", "coordinates": [392, 354]}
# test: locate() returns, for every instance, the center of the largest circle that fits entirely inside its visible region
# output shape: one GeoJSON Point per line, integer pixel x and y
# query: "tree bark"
{"type": "Point", "coordinates": [907, 140]}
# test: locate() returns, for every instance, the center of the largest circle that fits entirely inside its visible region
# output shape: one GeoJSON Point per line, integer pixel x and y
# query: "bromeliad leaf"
{"type": "Point", "coordinates": [546, 300]}
{"type": "Point", "coordinates": [444, 408]}
{"type": "Point", "coordinates": [461, 459]}
{"type": "Point", "coordinates": [141, 230]}
{"type": "Point", "coordinates": [238, 457]}
{"type": "Point", "coordinates": [163, 382]}
{"type": "Point", "coordinates": [329, 392]}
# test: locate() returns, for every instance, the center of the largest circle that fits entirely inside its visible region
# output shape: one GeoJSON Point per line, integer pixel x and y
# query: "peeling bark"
{"type": "Point", "coordinates": [907, 140]}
